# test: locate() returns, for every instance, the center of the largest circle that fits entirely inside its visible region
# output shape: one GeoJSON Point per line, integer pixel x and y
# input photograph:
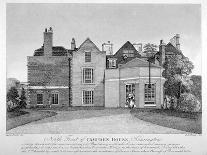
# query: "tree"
{"type": "Point", "coordinates": [188, 103]}
{"type": "Point", "coordinates": [22, 103]}
{"type": "Point", "coordinates": [150, 49]}
{"type": "Point", "coordinates": [196, 88]}
{"type": "Point", "coordinates": [11, 82]}
{"type": "Point", "coordinates": [12, 95]}
{"type": "Point", "coordinates": [177, 68]}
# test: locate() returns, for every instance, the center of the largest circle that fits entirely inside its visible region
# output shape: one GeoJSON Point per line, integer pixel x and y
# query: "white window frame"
{"type": "Point", "coordinates": [91, 75]}
{"type": "Point", "coordinates": [55, 93]}
{"type": "Point", "coordinates": [91, 97]}
{"type": "Point", "coordinates": [147, 101]}
{"type": "Point", "coordinates": [112, 63]}
{"type": "Point", "coordinates": [42, 98]}
{"type": "Point", "coordinates": [90, 56]}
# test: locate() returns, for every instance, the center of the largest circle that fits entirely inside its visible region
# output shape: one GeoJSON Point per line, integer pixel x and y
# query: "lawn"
{"type": "Point", "coordinates": [15, 113]}
{"type": "Point", "coordinates": [70, 108]}
{"type": "Point", "coordinates": [190, 122]}
{"type": "Point", "coordinates": [17, 118]}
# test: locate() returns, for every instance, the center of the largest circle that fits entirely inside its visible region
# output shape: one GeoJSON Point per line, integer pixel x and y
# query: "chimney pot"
{"type": "Point", "coordinates": [73, 45]}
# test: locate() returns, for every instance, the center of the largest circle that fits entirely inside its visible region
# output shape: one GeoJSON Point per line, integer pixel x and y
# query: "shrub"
{"type": "Point", "coordinates": [12, 99]}
{"type": "Point", "coordinates": [12, 95]}
{"type": "Point", "coordinates": [22, 103]}
{"type": "Point", "coordinates": [169, 102]}
{"type": "Point", "coordinates": [188, 103]}
{"type": "Point", "coordinates": [196, 87]}
{"type": "Point", "coordinates": [10, 106]}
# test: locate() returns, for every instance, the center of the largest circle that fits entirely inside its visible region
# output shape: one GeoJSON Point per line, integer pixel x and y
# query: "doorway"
{"type": "Point", "coordinates": [130, 90]}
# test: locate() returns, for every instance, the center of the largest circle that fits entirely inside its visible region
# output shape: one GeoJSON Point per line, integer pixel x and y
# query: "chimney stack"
{"type": "Point", "coordinates": [162, 52]}
{"type": "Point", "coordinates": [177, 41]}
{"type": "Point", "coordinates": [48, 41]}
{"type": "Point", "coordinates": [108, 47]}
{"type": "Point", "coordinates": [73, 46]}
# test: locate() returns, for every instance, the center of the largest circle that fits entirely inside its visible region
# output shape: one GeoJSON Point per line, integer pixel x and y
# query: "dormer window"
{"type": "Point", "coordinates": [112, 63]}
{"type": "Point", "coordinates": [87, 56]}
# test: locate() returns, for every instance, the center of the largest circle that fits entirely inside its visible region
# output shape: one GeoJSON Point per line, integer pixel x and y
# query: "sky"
{"type": "Point", "coordinates": [118, 23]}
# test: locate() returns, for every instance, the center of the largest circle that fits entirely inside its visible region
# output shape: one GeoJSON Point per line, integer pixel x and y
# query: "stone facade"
{"type": "Point", "coordinates": [98, 63]}
{"type": "Point", "coordinates": [134, 72]}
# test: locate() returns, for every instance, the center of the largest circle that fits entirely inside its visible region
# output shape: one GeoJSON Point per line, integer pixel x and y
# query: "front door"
{"type": "Point", "coordinates": [130, 90]}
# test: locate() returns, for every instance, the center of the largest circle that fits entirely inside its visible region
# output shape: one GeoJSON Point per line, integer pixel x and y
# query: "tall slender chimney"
{"type": "Point", "coordinates": [48, 41]}
{"type": "Point", "coordinates": [162, 52]}
{"type": "Point", "coordinates": [73, 45]}
{"type": "Point", "coordinates": [177, 41]}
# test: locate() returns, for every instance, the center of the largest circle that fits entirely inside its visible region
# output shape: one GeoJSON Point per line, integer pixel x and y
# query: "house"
{"type": "Point", "coordinates": [88, 76]}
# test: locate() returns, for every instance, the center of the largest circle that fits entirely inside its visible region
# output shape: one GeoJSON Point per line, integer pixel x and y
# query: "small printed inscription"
{"type": "Point", "coordinates": [101, 144]}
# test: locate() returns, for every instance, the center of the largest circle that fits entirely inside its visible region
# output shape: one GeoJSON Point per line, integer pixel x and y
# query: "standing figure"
{"type": "Point", "coordinates": [130, 103]}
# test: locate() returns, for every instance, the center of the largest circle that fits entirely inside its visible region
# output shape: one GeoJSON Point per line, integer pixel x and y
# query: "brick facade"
{"type": "Point", "coordinates": [48, 74]}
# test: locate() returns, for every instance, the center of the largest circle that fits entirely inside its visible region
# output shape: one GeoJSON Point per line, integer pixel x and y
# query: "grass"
{"type": "Point", "coordinates": [16, 119]}
{"type": "Point", "coordinates": [15, 113]}
{"type": "Point", "coordinates": [65, 108]}
{"type": "Point", "coordinates": [185, 121]}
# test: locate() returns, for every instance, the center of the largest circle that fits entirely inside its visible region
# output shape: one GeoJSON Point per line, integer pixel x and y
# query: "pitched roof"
{"type": "Point", "coordinates": [128, 46]}
{"type": "Point", "coordinates": [119, 53]}
{"type": "Point", "coordinates": [56, 51]}
{"type": "Point", "coordinates": [89, 41]}
{"type": "Point", "coordinates": [170, 49]}
{"type": "Point", "coordinates": [137, 62]}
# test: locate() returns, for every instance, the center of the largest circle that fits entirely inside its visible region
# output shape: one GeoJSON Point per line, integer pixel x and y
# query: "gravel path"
{"type": "Point", "coordinates": [107, 121]}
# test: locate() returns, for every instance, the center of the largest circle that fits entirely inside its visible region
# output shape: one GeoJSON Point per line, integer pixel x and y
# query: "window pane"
{"type": "Point", "coordinates": [149, 94]}
{"type": "Point", "coordinates": [87, 75]}
{"type": "Point", "coordinates": [39, 98]}
{"type": "Point", "coordinates": [87, 97]}
{"type": "Point", "coordinates": [54, 98]}
{"type": "Point", "coordinates": [87, 56]}
{"type": "Point", "coordinates": [128, 53]}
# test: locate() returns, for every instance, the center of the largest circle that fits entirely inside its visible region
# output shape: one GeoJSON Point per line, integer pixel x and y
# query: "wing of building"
{"type": "Point", "coordinates": [88, 76]}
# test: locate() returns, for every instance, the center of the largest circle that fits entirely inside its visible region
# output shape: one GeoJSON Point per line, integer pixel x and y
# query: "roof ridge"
{"type": "Point", "coordinates": [154, 65]}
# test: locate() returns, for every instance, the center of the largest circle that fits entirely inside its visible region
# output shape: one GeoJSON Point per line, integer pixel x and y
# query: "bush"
{"type": "Point", "coordinates": [169, 102]}
{"type": "Point", "coordinates": [12, 99]}
{"type": "Point", "coordinates": [10, 106]}
{"type": "Point", "coordinates": [12, 95]}
{"type": "Point", "coordinates": [22, 103]}
{"type": "Point", "coordinates": [188, 103]}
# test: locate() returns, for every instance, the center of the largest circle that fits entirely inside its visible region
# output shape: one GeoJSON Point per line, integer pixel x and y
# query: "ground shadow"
{"type": "Point", "coordinates": [83, 114]}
